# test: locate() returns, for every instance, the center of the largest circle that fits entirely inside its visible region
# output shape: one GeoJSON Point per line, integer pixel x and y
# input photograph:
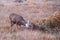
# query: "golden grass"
{"type": "Point", "coordinates": [55, 18]}
{"type": "Point", "coordinates": [15, 7]}
{"type": "Point", "coordinates": [51, 23]}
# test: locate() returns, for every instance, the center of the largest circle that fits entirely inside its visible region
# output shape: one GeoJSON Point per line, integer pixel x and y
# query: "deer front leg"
{"type": "Point", "coordinates": [18, 24]}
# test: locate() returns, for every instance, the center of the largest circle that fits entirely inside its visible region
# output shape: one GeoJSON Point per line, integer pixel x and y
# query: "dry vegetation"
{"type": "Point", "coordinates": [40, 14]}
{"type": "Point", "coordinates": [55, 20]}
{"type": "Point", "coordinates": [50, 24]}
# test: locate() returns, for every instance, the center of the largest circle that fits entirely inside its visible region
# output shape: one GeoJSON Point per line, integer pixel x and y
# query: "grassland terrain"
{"type": "Point", "coordinates": [35, 12]}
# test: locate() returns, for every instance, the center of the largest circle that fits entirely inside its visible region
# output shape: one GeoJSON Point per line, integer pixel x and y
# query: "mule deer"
{"type": "Point", "coordinates": [18, 20]}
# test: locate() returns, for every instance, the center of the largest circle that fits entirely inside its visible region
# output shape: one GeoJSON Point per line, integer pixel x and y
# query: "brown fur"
{"type": "Point", "coordinates": [16, 19]}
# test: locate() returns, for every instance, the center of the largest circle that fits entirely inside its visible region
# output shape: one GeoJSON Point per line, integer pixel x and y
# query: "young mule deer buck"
{"type": "Point", "coordinates": [18, 20]}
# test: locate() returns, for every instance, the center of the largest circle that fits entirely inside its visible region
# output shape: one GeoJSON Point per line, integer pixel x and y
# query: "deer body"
{"type": "Point", "coordinates": [18, 20]}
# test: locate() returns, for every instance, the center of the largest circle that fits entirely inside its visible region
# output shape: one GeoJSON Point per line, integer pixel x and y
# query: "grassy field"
{"type": "Point", "coordinates": [33, 12]}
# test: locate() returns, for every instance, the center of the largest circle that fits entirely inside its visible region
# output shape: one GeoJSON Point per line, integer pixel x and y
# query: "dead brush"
{"type": "Point", "coordinates": [50, 24]}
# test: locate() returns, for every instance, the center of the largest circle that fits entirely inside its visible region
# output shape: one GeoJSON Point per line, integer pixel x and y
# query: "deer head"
{"type": "Point", "coordinates": [27, 24]}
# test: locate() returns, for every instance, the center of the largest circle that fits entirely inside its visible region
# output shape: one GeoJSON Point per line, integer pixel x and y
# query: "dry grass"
{"type": "Point", "coordinates": [35, 13]}
{"type": "Point", "coordinates": [55, 20]}
{"type": "Point", "coordinates": [27, 35]}
{"type": "Point", "coordinates": [51, 23]}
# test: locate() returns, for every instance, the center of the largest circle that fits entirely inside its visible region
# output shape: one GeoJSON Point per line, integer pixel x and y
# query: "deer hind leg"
{"type": "Point", "coordinates": [12, 23]}
{"type": "Point", "coordinates": [17, 25]}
